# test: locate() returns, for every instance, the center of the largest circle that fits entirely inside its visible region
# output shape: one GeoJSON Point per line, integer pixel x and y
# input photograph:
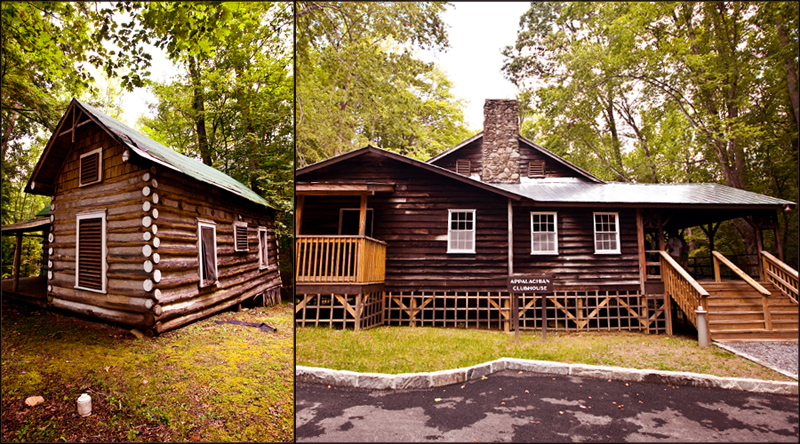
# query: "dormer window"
{"type": "Point", "coordinates": [463, 167]}
{"type": "Point", "coordinates": [536, 169]}
{"type": "Point", "coordinates": [91, 167]}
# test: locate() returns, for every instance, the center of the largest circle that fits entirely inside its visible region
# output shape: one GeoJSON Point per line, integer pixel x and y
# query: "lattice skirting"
{"type": "Point", "coordinates": [566, 310]}
{"type": "Point", "coordinates": [356, 311]}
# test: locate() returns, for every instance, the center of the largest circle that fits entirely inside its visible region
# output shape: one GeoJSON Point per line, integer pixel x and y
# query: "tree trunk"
{"type": "Point", "coordinates": [199, 108]}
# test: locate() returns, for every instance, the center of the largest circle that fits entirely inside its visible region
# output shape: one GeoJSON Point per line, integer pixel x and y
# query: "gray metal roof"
{"type": "Point", "coordinates": [627, 193]}
{"type": "Point", "coordinates": [154, 151]}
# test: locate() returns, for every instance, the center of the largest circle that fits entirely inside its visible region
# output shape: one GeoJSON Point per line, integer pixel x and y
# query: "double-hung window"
{"type": "Point", "coordinates": [606, 233]}
{"type": "Point", "coordinates": [207, 246]}
{"type": "Point", "coordinates": [544, 233]}
{"type": "Point", "coordinates": [90, 251]}
{"type": "Point", "coordinates": [461, 231]}
{"type": "Point", "coordinates": [262, 247]}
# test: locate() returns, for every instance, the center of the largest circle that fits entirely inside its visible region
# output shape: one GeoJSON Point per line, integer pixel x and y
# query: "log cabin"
{"type": "Point", "coordinates": [142, 236]}
{"type": "Point", "coordinates": [384, 239]}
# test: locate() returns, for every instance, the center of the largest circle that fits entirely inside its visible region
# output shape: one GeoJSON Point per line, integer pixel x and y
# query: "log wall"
{"type": "Point", "coordinates": [577, 265]}
{"type": "Point", "coordinates": [151, 239]}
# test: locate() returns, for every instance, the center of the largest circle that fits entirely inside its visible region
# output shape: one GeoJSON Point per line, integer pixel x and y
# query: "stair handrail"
{"type": "Point", "coordinates": [782, 276]}
{"type": "Point", "coordinates": [679, 284]}
{"type": "Point", "coordinates": [719, 258]}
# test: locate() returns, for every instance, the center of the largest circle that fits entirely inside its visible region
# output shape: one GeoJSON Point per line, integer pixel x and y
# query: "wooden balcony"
{"type": "Point", "coordinates": [339, 260]}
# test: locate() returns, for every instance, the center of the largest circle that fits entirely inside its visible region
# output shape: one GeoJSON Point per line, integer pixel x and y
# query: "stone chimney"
{"type": "Point", "coordinates": [500, 143]}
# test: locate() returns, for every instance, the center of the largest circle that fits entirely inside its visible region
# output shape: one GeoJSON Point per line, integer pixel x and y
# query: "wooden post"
{"type": "Point", "coordinates": [668, 312]}
{"type": "Point", "coordinates": [298, 212]}
{"type": "Point", "coordinates": [778, 245]}
{"type": "Point", "coordinates": [362, 216]}
{"type": "Point", "coordinates": [640, 244]}
{"type": "Point", "coordinates": [760, 247]}
{"type": "Point", "coordinates": [544, 317]}
{"type": "Point", "coordinates": [510, 238]}
{"type": "Point", "coordinates": [17, 260]}
{"type": "Point", "coordinates": [717, 277]}
{"type": "Point", "coordinates": [515, 314]}
{"type": "Point", "coordinates": [358, 312]}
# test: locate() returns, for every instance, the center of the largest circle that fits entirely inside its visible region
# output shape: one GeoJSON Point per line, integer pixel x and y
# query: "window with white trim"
{"type": "Point", "coordinates": [207, 246]}
{"type": "Point", "coordinates": [262, 247]}
{"type": "Point", "coordinates": [461, 231]}
{"type": "Point", "coordinates": [90, 251]}
{"type": "Point", "coordinates": [90, 167]}
{"type": "Point", "coordinates": [606, 233]}
{"type": "Point", "coordinates": [544, 233]}
{"type": "Point", "coordinates": [240, 236]}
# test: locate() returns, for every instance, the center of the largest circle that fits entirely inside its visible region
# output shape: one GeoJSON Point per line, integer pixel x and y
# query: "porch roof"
{"type": "Point", "coordinates": [26, 226]}
{"type": "Point", "coordinates": [342, 188]}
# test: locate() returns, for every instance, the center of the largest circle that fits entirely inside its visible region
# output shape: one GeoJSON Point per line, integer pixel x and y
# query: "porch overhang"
{"type": "Point", "coordinates": [342, 188]}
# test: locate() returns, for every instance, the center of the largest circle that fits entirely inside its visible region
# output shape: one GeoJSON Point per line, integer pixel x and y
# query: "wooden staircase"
{"type": "Point", "coordinates": [736, 313]}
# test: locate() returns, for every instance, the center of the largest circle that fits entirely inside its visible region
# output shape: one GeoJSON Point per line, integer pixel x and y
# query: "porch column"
{"type": "Point", "coordinates": [640, 246]}
{"type": "Point", "coordinates": [17, 259]}
{"type": "Point", "coordinates": [362, 216]}
{"type": "Point", "coordinates": [510, 238]}
{"type": "Point", "coordinates": [298, 214]}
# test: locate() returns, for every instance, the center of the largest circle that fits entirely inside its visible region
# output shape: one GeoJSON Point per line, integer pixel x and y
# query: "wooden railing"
{"type": "Point", "coordinates": [765, 294]}
{"type": "Point", "coordinates": [340, 259]}
{"type": "Point", "coordinates": [682, 287]}
{"type": "Point", "coordinates": [782, 276]}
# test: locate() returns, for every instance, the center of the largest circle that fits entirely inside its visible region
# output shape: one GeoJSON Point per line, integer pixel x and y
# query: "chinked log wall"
{"type": "Point", "coordinates": [183, 201]}
{"type": "Point", "coordinates": [152, 253]}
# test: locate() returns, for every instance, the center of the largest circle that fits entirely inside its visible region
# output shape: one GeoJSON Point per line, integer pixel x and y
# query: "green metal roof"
{"type": "Point", "coordinates": [44, 212]}
{"type": "Point", "coordinates": [154, 151]}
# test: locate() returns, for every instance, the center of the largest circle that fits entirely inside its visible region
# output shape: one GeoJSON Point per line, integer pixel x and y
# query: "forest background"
{"type": "Point", "coordinates": [663, 92]}
{"type": "Point", "coordinates": [229, 102]}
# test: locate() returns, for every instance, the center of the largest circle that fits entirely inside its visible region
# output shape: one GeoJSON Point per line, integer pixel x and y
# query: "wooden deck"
{"type": "Point", "coordinates": [31, 289]}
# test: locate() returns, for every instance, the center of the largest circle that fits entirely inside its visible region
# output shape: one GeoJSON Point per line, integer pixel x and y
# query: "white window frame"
{"type": "Point", "coordinates": [450, 248]}
{"type": "Point", "coordinates": [554, 232]}
{"type": "Point", "coordinates": [594, 229]}
{"type": "Point", "coordinates": [101, 214]}
{"type": "Point", "coordinates": [247, 240]}
{"type": "Point", "coordinates": [263, 262]}
{"type": "Point", "coordinates": [200, 224]}
{"type": "Point", "coordinates": [99, 167]}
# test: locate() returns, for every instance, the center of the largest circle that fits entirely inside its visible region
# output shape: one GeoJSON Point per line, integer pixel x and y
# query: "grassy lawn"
{"type": "Point", "coordinates": [203, 382]}
{"type": "Point", "coordinates": [396, 350]}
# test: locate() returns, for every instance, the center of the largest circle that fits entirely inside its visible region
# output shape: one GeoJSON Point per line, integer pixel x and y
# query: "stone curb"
{"type": "Point", "coordinates": [380, 381]}
{"type": "Point", "coordinates": [756, 360]}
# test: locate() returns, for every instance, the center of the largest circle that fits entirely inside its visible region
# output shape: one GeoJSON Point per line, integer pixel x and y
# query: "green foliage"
{"type": "Point", "coordinates": [232, 104]}
{"type": "Point", "coordinates": [667, 92]}
{"type": "Point", "coordinates": [359, 81]}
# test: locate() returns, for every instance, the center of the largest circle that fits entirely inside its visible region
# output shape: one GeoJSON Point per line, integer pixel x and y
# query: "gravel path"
{"type": "Point", "coordinates": [782, 355]}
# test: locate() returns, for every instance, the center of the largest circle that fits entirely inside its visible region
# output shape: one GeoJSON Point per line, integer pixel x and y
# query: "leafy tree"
{"type": "Point", "coordinates": [360, 82]}
{"type": "Point", "coordinates": [618, 84]}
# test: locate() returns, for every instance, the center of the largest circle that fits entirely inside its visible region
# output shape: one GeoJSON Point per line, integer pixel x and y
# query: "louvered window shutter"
{"type": "Point", "coordinates": [240, 233]}
{"type": "Point", "coordinates": [463, 167]}
{"type": "Point", "coordinates": [536, 169]}
{"type": "Point", "coordinates": [90, 168]}
{"type": "Point", "coordinates": [90, 253]}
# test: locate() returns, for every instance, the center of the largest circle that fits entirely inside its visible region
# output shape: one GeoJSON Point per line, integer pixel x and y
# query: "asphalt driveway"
{"type": "Point", "coordinates": [511, 406]}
